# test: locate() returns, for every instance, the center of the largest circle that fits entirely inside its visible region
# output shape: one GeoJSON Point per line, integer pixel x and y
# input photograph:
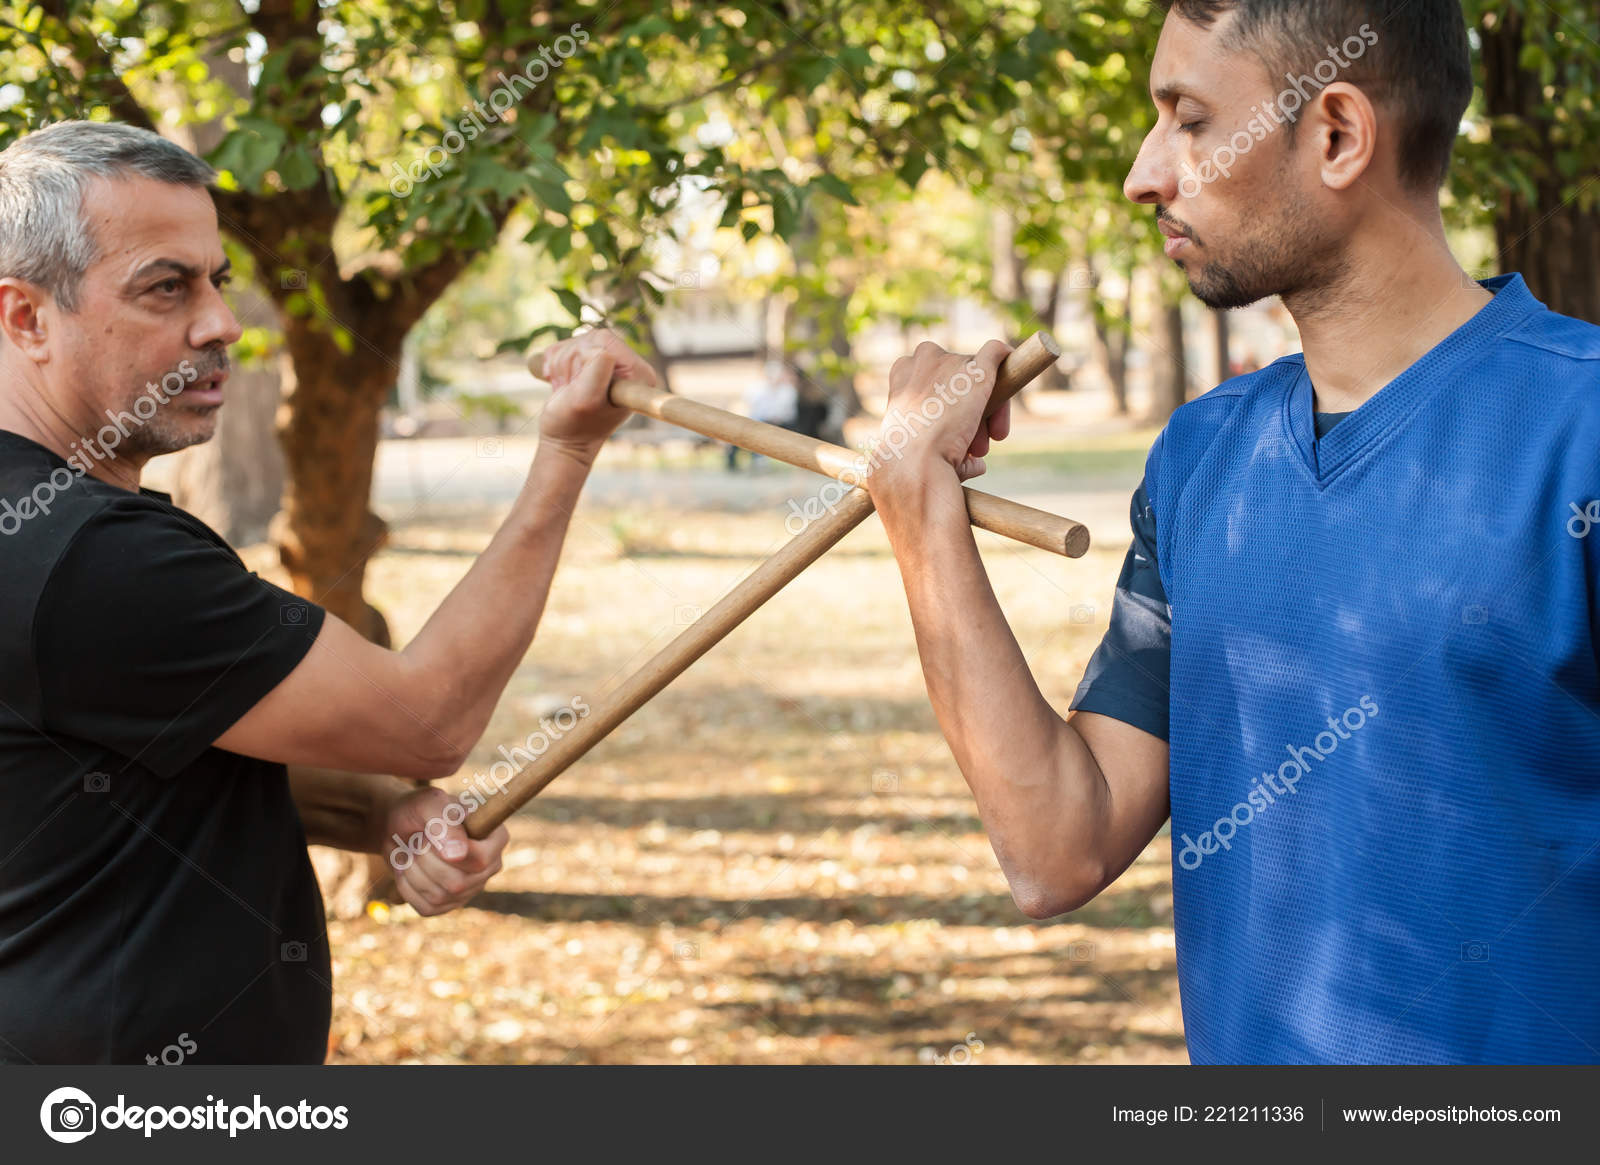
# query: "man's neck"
{"type": "Point", "coordinates": [26, 411]}
{"type": "Point", "coordinates": [1401, 294]}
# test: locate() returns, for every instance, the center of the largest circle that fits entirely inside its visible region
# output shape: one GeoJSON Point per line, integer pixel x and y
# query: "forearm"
{"type": "Point", "coordinates": [345, 810]}
{"type": "Point", "coordinates": [1039, 791]}
{"type": "Point", "coordinates": [465, 654]}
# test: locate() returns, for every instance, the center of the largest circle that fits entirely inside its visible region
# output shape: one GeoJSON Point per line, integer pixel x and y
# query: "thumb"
{"type": "Point", "coordinates": [452, 843]}
{"type": "Point", "coordinates": [594, 379]}
{"type": "Point", "coordinates": [424, 812]}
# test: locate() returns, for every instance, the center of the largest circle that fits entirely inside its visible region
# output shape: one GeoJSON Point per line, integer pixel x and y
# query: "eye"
{"type": "Point", "coordinates": [221, 281]}
{"type": "Point", "coordinates": [1192, 127]}
{"type": "Point", "coordinates": [169, 286]}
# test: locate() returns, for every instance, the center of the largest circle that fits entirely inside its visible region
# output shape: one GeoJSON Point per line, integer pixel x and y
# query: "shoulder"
{"type": "Point", "coordinates": [1559, 338]}
{"type": "Point", "coordinates": [1195, 425]}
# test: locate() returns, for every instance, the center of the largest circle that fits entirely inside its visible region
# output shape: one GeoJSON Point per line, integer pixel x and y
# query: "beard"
{"type": "Point", "coordinates": [174, 424]}
{"type": "Point", "coordinates": [1292, 255]}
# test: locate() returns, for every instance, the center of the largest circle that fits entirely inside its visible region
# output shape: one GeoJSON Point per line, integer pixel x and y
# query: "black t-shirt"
{"type": "Point", "coordinates": [1127, 677]}
{"type": "Point", "coordinates": [154, 891]}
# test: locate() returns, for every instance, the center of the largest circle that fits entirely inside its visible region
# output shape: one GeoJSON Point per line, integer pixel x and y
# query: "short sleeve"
{"type": "Point", "coordinates": [151, 639]}
{"type": "Point", "coordinates": [1129, 674]}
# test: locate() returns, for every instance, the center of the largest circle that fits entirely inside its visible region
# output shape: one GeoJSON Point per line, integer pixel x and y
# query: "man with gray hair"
{"type": "Point", "coordinates": [154, 694]}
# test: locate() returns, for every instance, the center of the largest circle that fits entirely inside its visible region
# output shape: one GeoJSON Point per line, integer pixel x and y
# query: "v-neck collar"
{"type": "Point", "coordinates": [1396, 401]}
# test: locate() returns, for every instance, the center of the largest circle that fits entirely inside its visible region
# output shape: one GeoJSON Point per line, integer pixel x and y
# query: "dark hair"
{"type": "Point", "coordinates": [1419, 66]}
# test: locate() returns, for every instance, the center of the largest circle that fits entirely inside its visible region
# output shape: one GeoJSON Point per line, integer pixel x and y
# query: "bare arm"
{"type": "Point", "coordinates": [436, 866]}
{"type": "Point", "coordinates": [346, 810]}
{"type": "Point", "coordinates": [355, 706]}
{"type": "Point", "coordinates": [1068, 804]}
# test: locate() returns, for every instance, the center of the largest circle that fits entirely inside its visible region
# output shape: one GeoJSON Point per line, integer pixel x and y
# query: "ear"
{"type": "Point", "coordinates": [22, 317]}
{"type": "Point", "coordinates": [1344, 131]}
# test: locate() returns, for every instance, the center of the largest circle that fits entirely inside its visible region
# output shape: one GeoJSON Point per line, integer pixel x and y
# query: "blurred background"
{"type": "Point", "coordinates": [776, 860]}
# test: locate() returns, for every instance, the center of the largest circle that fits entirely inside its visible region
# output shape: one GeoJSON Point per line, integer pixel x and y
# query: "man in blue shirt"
{"type": "Point", "coordinates": [1353, 653]}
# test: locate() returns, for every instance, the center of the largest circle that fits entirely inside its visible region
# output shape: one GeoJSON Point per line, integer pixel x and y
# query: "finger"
{"type": "Point", "coordinates": [632, 365]}
{"type": "Point", "coordinates": [558, 362]}
{"type": "Point", "coordinates": [480, 856]}
{"type": "Point", "coordinates": [897, 370]}
{"type": "Point", "coordinates": [594, 378]}
{"type": "Point", "coordinates": [420, 890]}
{"type": "Point", "coordinates": [989, 358]}
{"type": "Point", "coordinates": [970, 467]}
{"type": "Point", "coordinates": [444, 878]}
{"type": "Point", "coordinates": [1000, 423]}
{"type": "Point", "coordinates": [980, 443]}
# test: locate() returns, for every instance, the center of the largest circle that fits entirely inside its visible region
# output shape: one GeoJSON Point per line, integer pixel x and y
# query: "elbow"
{"type": "Point", "coordinates": [431, 759]}
{"type": "Point", "coordinates": [1048, 893]}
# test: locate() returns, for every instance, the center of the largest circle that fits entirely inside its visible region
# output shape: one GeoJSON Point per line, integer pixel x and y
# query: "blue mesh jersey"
{"type": "Point", "coordinates": [1385, 704]}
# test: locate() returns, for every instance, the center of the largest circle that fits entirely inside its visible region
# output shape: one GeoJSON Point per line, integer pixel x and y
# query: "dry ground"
{"type": "Point", "coordinates": [777, 859]}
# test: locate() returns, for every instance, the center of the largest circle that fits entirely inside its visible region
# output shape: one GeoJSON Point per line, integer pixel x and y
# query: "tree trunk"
{"type": "Point", "coordinates": [327, 531]}
{"type": "Point", "coordinates": [1219, 319]}
{"type": "Point", "coordinates": [815, 321]}
{"type": "Point", "coordinates": [1113, 343]}
{"type": "Point", "coordinates": [1551, 241]}
{"type": "Point", "coordinates": [1172, 386]}
{"type": "Point", "coordinates": [1053, 379]}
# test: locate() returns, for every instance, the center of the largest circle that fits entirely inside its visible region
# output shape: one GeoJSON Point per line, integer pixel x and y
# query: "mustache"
{"type": "Point", "coordinates": [211, 360]}
{"type": "Point", "coordinates": [1165, 216]}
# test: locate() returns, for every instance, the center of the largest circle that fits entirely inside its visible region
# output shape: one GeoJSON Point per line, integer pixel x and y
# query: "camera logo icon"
{"type": "Point", "coordinates": [67, 1115]}
{"type": "Point", "coordinates": [96, 782]}
{"type": "Point", "coordinates": [292, 952]}
{"type": "Point", "coordinates": [292, 615]}
{"type": "Point", "coordinates": [491, 447]}
{"type": "Point", "coordinates": [293, 280]}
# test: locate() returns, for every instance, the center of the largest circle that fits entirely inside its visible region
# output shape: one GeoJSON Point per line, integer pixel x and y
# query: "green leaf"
{"type": "Point", "coordinates": [913, 168]}
{"type": "Point", "coordinates": [569, 300]}
{"type": "Point", "coordinates": [836, 187]}
{"type": "Point", "coordinates": [297, 169]}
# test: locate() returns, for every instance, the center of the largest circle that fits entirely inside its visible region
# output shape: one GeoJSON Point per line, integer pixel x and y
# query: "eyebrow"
{"type": "Point", "coordinates": [183, 270]}
{"type": "Point", "coordinates": [1172, 92]}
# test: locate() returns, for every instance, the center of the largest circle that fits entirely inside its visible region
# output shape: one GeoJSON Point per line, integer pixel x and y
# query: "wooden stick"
{"type": "Point", "coordinates": [1009, 519]}
{"type": "Point", "coordinates": [699, 637]}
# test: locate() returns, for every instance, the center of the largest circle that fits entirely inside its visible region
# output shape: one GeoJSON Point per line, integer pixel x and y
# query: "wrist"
{"type": "Point", "coordinates": [578, 452]}
{"type": "Point", "coordinates": [386, 793]}
{"type": "Point", "coordinates": [911, 481]}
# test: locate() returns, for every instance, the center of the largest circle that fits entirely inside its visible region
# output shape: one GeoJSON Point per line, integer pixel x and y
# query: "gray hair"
{"type": "Point", "coordinates": [43, 176]}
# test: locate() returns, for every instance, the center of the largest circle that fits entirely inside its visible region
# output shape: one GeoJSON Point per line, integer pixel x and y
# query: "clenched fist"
{"type": "Point", "coordinates": [437, 867]}
{"type": "Point", "coordinates": [579, 416]}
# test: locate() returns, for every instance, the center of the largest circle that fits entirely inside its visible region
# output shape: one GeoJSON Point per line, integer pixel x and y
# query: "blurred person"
{"type": "Point", "coordinates": [772, 400]}
{"type": "Point", "coordinates": [1354, 652]}
{"type": "Point", "coordinates": [169, 722]}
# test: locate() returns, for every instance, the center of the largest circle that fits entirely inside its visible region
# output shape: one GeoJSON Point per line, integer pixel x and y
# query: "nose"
{"type": "Point", "coordinates": [216, 323]}
{"type": "Point", "coordinates": [1151, 179]}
